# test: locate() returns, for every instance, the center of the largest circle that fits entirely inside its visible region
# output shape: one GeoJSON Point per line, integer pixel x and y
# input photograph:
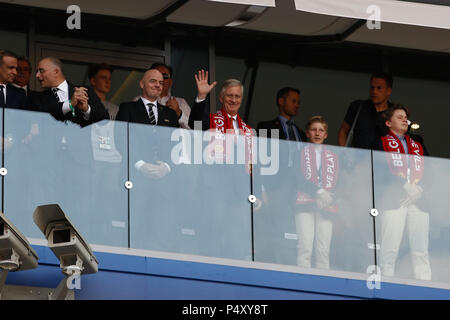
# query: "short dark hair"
{"type": "Point", "coordinates": [283, 92]}
{"type": "Point", "coordinates": [160, 64]}
{"type": "Point", "coordinates": [385, 76]}
{"type": "Point", "coordinates": [95, 68]}
{"type": "Point", "coordinates": [389, 112]}
{"type": "Point", "coordinates": [22, 58]}
{"type": "Point", "coordinates": [6, 53]}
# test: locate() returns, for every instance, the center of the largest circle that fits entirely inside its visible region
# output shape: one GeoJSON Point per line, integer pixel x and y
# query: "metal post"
{"type": "Point", "coordinates": [2, 281]}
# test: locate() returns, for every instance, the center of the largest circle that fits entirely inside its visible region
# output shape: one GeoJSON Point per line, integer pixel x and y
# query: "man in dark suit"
{"type": "Point", "coordinates": [224, 212]}
{"type": "Point", "coordinates": [62, 100]}
{"type": "Point", "coordinates": [288, 101]}
{"type": "Point", "coordinates": [155, 177]}
{"type": "Point", "coordinates": [147, 110]}
{"type": "Point", "coordinates": [10, 96]}
{"type": "Point", "coordinates": [276, 219]}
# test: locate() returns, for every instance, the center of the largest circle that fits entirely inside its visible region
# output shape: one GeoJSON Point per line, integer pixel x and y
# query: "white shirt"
{"type": "Point", "coordinates": [154, 108]}
{"type": "Point", "coordinates": [184, 107]}
{"type": "Point", "coordinates": [235, 124]}
{"type": "Point", "coordinates": [111, 108]}
{"type": "Point", "coordinates": [318, 149]}
{"type": "Point", "coordinates": [318, 156]}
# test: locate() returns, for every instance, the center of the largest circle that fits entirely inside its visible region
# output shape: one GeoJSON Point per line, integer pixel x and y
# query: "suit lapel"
{"type": "Point", "coordinates": [9, 95]}
{"type": "Point", "coordinates": [71, 89]}
{"type": "Point", "coordinates": [160, 115]}
{"type": "Point", "coordinates": [141, 112]}
{"type": "Point", "coordinates": [277, 125]}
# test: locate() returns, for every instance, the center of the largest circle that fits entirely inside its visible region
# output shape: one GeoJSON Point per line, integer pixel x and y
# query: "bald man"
{"type": "Point", "coordinates": [147, 110]}
{"type": "Point", "coordinates": [62, 100]}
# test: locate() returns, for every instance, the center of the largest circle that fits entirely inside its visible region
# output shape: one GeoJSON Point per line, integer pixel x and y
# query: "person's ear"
{"type": "Point", "coordinates": [280, 101]}
{"type": "Point", "coordinates": [388, 123]}
{"type": "Point", "coordinates": [141, 84]}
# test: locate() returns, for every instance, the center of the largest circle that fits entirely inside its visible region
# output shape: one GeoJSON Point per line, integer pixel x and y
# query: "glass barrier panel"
{"type": "Point", "coordinates": [7, 142]}
{"type": "Point", "coordinates": [83, 170]}
{"type": "Point", "coordinates": [413, 225]}
{"type": "Point", "coordinates": [183, 199]}
{"type": "Point", "coordinates": [315, 206]}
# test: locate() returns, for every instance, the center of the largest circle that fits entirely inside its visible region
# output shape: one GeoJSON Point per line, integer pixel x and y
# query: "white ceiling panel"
{"type": "Point", "coordinates": [395, 11]}
{"type": "Point", "coordinates": [137, 9]}
{"type": "Point", "coordinates": [207, 13]}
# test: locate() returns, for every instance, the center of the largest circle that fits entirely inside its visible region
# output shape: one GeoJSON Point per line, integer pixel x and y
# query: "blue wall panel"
{"type": "Point", "coordinates": [135, 277]}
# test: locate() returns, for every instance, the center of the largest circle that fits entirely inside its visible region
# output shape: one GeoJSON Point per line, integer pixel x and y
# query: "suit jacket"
{"type": "Point", "coordinates": [199, 112]}
{"type": "Point", "coordinates": [276, 124]}
{"type": "Point", "coordinates": [136, 112]}
{"type": "Point", "coordinates": [46, 102]}
{"type": "Point", "coordinates": [15, 97]}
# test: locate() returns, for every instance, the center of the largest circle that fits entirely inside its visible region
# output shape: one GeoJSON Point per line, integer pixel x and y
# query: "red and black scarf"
{"type": "Point", "coordinates": [398, 160]}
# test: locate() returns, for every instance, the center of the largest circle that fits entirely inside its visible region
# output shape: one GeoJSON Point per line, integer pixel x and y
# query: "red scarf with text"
{"type": "Point", "coordinates": [325, 179]}
{"type": "Point", "coordinates": [220, 124]}
{"type": "Point", "coordinates": [397, 158]}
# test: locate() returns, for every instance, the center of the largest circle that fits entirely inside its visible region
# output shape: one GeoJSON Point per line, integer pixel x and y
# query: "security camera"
{"type": "Point", "coordinates": [74, 254]}
{"type": "Point", "coordinates": [16, 253]}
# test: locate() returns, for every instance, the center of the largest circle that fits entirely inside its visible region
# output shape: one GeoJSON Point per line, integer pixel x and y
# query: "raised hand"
{"type": "Point", "coordinates": [203, 88]}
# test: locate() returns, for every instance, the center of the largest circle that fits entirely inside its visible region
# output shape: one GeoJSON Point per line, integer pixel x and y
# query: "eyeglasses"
{"type": "Point", "coordinates": [166, 76]}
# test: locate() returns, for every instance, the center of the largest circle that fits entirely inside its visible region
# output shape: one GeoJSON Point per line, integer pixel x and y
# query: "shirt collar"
{"type": "Point", "coordinates": [146, 102]}
{"type": "Point", "coordinates": [283, 119]}
{"type": "Point", "coordinates": [25, 87]}
{"type": "Point", "coordinates": [63, 86]}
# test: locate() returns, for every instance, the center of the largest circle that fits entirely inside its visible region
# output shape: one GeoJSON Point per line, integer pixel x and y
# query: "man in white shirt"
{"type": "Point", "coordinates": [62, 100]}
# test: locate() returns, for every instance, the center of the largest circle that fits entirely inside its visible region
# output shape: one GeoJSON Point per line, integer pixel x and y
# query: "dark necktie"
{"type": "Point", "coordinates": [2, 96]}
{"type": "Point", "coordinates": [55, 93]}
{"type": "Point", "coordinates": [291, 134]}
{"type": "Point", "coordinates": [151, 115]}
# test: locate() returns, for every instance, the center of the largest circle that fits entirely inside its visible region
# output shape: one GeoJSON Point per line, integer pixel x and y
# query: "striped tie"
{"type": "Point", "coordinates": [151, 115]}
{"type": "Point", "coordinates": [55, 93]}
